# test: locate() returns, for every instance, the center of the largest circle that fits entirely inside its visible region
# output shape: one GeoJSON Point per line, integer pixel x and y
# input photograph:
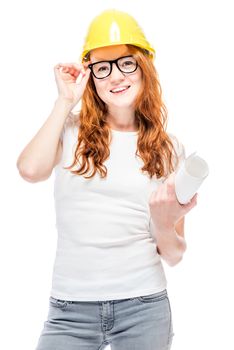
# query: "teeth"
{"type": "Point", "coordinates": [119, 89]}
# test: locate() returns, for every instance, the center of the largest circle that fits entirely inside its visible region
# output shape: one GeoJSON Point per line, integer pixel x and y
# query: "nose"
{"type": "Point", "coordinates": [116, 74]}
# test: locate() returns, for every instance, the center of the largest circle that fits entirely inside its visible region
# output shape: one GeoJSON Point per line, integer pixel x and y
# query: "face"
{"type": "Point", "coordinates": [116, 78]}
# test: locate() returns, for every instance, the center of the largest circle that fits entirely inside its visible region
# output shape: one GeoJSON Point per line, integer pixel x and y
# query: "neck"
{"type": "Point", "coordinates": [122, 120]}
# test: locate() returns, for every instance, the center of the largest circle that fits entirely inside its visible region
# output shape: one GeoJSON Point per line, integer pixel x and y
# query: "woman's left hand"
{"type": "Point", "coordinates": [164, 207]}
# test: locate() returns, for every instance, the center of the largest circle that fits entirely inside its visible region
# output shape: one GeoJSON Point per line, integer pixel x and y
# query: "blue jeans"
{"type": "Point", "coordinates": [139, 323]}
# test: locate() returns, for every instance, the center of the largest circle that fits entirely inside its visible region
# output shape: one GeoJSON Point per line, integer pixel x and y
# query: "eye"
{"type": "Point", "coordinates": [103, 68]}
{"type": "Point", "coordinates": [128, 63]}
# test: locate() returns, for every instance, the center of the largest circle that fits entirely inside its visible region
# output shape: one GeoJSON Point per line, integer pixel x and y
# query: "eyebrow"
{"type": "Point", "coordinates": [105, 59]}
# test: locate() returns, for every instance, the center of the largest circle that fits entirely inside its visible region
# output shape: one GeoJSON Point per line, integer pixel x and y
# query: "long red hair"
{"type": "Point", "coordinates": [154, 145]}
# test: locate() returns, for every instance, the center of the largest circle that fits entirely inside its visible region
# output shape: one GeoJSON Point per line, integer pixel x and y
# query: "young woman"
{"type": "Point", "coordinates": [117, 214]}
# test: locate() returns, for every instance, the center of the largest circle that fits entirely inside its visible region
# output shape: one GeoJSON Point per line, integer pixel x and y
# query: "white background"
{"type": "Point", "coordinates": [194, 58]}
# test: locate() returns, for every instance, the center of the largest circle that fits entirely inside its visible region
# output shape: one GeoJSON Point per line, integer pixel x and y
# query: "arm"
{"type": "Point", "coordinates": [171, 244]}
{"type": "Point", "coordinates": [36, 161]}
{"type": "Point", "coordinates": [168, 221]}
{"type": "Point", "coordinates": [38, 158]}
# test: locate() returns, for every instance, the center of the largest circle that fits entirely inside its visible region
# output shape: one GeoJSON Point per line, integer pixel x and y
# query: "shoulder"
{"type": "Point", "coordinates": [72, 119]}
{"type": "Point", "coordinates": [71, 123]}
{"type": "Point", "coordinates": [178, 145]}
{"type": "Point", "coordinates": [178, 155]}
{"type": "Point", "coordinates": [70, 126]}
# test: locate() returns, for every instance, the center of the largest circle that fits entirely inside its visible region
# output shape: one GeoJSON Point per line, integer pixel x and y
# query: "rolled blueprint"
{"type": "Point", "coordinates": [189, 177]}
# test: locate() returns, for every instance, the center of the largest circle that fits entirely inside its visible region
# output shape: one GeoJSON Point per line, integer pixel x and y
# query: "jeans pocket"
{"type": "Point", "coordinates": [59, 303]}
{"type": "Point", "coordinates": [153, 297]}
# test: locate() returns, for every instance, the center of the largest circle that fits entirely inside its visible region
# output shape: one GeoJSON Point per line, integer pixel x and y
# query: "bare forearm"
{"type": "Point", "coordinates": [170, 245]}
{"type": "Point", "coordinates": [38, 156]}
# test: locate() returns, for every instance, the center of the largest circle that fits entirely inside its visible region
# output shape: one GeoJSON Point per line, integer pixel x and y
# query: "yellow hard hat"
{"type": "Point", "coordinates": [114, 27]}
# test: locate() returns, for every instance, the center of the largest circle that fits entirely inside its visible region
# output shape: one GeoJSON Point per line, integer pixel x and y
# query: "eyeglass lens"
{"type": "Point", "coordinates": [126, 65]}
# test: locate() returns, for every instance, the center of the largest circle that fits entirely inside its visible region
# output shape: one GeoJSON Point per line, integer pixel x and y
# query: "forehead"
{"type": "Point", "coordinates": [108, 53]}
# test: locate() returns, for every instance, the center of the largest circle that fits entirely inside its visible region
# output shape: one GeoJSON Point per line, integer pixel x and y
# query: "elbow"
{"type": "Point", "coordinates": [26, 174]}
{"type": "Point", "coordinates": [30, 175]}
{"type": "Point", "coordinates": [174, 260]}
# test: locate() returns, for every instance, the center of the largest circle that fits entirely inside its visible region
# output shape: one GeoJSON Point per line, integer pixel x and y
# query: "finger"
{"type": "Point", "coordinates": [83, 78]}
{"type": "Point", "coordinates": [81, 65]}
{"type": "Point", "coordinates": [158, 194]}
{"type": "Point", "coordinates": [193, 202]}
{"type": "Point", "coordinates": [58, 66]}
{"type": "Point", "coordinates": [71, 67]}
{"type": "Point", "coordinates": [72, 71]}
{"type": "Point", "coordinates": [152, 198]}
{"type": "Point", "coordinates": [68, 64]}
{"type": "Point", "coordinates": [69, 71]}
{"type": "Point", "coordinates": [170, 185]}
{"type": "Point", "coordinates": [86, 64]}
{"type": "Point", "coordinates": [87, 72]}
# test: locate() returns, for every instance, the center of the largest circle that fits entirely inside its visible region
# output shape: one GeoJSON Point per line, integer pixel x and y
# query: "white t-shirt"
{"type": "Point", "coordinates": [105, 247]}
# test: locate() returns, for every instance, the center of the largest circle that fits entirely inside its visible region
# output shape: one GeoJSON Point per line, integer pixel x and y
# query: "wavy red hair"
{"type": "Point", "coordinates": [154, 145]}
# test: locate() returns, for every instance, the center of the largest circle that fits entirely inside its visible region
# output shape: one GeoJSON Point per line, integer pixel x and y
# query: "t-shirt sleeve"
{"type": "Point", "coordinates": [69, 121]}
{"type": "Point", "coordinates": [179, 149]}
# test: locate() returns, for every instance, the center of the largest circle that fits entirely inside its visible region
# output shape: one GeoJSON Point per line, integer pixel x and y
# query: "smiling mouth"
{"type": "Point", "coordinates": [120, 91]}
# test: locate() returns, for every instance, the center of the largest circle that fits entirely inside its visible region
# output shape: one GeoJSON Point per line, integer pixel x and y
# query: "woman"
{"type": "Point", "coordinates": [116, 211]}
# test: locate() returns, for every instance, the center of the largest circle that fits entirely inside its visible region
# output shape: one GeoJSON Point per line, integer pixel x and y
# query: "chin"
{"type": "Point", "coordinates": [121, 103]}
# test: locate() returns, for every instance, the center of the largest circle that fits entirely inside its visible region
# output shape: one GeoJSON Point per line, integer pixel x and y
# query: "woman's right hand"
{"type": "Point", "coordinates": [66, 75]}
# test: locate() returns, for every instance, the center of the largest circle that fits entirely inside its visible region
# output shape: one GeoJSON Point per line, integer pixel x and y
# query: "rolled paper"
{"type": "Point", "coordinates": [189, 177]}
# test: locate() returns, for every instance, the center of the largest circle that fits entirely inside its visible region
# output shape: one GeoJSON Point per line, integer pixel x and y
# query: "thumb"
{"type": "Point", "coordinates": [83, 78]}
{"type": "Point", "coordinates": [192, 203]}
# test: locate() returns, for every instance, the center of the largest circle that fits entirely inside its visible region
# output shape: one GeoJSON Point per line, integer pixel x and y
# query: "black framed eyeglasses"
{"type": "Point", "coordinates": [101, 69]}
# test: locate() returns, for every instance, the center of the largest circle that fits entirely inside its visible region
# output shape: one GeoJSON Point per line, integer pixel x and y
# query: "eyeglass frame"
{"type": "Point", "coordinates": [111, 64]}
